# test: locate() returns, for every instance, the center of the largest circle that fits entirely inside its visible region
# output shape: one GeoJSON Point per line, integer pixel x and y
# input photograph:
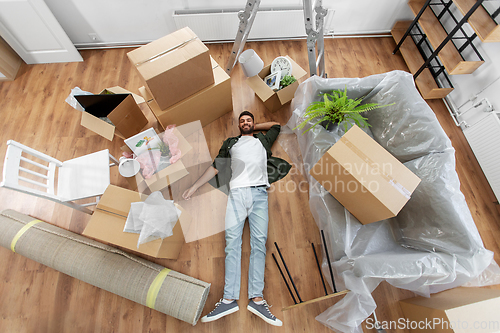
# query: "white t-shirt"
{"type": "Point", "coordinates": [248, 163]}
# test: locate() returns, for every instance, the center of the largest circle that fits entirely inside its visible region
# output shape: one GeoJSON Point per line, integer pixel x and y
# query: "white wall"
{"type": "Point", "coordinates": [132, 21]}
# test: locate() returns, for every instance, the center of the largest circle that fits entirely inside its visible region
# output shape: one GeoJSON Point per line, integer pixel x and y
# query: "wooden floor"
{"type": "Point", "coordinates": [34, 298]}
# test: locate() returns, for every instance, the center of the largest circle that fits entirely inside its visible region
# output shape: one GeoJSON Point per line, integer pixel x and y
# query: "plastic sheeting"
{"type": "Point", "coordinates": [433, 243]}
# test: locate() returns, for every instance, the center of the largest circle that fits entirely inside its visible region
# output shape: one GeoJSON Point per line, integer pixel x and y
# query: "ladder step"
{"type": "Point", "coordinates": [449, 55]}
{"type": "Point", "coordinates": [425, 81]}
{"type": "Point", "coordinates": [485, 27]}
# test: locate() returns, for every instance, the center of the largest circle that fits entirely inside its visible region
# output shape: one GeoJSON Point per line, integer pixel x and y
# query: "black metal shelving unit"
{"type": "Point", "coordinates": [441, 9]}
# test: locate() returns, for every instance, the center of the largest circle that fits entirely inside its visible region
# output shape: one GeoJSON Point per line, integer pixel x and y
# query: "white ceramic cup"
{"type": "Point", "coordinates": [128, 167]}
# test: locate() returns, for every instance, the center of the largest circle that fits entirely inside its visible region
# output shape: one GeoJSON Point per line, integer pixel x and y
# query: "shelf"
{"type": "Point", "coordinates": [485, 27]}
{"type": "Point", "coordinates": [449, 55]}
{"type": "Point", "coordinates": [425, 81]}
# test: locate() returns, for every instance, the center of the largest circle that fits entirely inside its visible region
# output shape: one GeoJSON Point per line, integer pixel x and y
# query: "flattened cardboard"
{"type": "Point", "coordinates": [462, 307]}
{"type": "Point", "coordinates": [206, 105]}
{"type": "Point", "coordinates": [108, 221]}
{"type": "Point", "coordinates": [365, 178]}
{"type": "Point", "coordinates": [271, 99]}
{"type": "Point", "coordinates": [174, 67]}
{"type": "Point", "coordinates": [127, 117]}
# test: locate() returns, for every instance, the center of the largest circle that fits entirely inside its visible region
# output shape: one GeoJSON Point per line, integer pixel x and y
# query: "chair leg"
{"type": "Point", "coordinates": [77, 207]}
{"type": "Point", "coordinates": [115, 161]}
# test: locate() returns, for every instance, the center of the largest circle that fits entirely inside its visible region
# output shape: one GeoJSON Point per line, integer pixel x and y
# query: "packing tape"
{"type": "Point", "coordinates": [20, 233]}
{"type": "Point", "coordinates": [173, 48]}
{"type": "Point", "coordinates": [398, 186]}
{"type": "Point", "coordinates": [154, 289]}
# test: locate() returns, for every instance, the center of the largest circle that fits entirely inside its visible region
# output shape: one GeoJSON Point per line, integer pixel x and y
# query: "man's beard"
{"type": "Point", "coordinates": [246, 130]}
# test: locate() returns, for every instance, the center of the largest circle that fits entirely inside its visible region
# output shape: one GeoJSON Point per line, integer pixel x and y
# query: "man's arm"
{"type": "Point", "coordinates": [265, 126]}
{"type": "Point", "coordinates": [207, 175]}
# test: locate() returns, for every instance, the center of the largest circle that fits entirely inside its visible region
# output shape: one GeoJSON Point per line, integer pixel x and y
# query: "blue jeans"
{"type": "Point", "coordinates": [246, 202]}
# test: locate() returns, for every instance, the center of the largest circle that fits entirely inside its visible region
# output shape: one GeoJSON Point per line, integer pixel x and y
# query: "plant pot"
{"type": "Point", "coordinates": [164, 162]}
{"type": "Point", "coordinates": [328, 125]}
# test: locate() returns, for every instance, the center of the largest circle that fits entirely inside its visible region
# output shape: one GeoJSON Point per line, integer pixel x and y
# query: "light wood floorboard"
{"type": "Point", "coordinates": [35, 298]}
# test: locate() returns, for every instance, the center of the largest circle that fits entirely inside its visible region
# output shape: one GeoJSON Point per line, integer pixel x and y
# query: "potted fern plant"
{"type": "Point", "coordinates": [337, 107]}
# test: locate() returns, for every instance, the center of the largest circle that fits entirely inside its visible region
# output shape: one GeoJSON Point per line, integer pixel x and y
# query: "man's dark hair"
{"type": "Point", "coordinates": [246, 113]}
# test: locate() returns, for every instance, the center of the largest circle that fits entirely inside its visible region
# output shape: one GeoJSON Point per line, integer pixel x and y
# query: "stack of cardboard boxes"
{"type": "Point", "coordinates": [183, 83]}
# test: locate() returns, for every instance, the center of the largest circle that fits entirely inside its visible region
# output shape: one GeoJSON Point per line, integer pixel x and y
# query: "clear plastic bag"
{"type": "Point", "coordinates": [71, 100]}
{"type": "Point", "coordinates": [152, 219]}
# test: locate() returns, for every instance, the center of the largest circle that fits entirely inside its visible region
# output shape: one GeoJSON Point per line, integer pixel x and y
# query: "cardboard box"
{"type": "Point", "coordinates": [127, 117]}
{"type": "Point", "coordinates": [274, 100]}
{"type": "Point", "coordinates": [108, 221]}
{"type": "Point", "coordinates": [174, 67]}
{"type": "Point", "coordinates": [164, 177]}
{"type": "Point", "coordinates": [464, 310]}
{"type": "Point", "coordinates": [206, 105]}
{"type": "Point", "coordinates": [364, 177]}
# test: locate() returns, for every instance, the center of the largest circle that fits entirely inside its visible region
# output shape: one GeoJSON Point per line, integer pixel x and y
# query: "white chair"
{"type": "Point", "coordinates": [79, 178]}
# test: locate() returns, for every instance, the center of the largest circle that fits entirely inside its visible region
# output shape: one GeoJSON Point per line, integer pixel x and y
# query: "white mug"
{"type": "Point", "coordinates": [128, 167]}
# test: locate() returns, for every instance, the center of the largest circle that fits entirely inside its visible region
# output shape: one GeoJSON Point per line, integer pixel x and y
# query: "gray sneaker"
{"type": "Point", "coordinates": [262, 310]}
{"type": "Point", "coordinates": [221, 310]}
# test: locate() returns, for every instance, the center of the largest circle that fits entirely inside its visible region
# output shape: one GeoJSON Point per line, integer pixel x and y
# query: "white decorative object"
{"type": "Point", "coordinates": [282, 64]}
{"type": "Point", "coordinates": [251, 63]}
{"type": "Point", "coordinates": [273, 80]}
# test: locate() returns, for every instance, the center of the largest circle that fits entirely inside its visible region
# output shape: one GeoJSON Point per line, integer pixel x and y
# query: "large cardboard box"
{"type": "Point", "coordinates": [206, 105]}
{"type": "Point", "coordinates": [460, 310]}
{"type": "Point", "coordinates": [108, 221]}
{"type": "Point", "coordinates": [165, 177]}
{"type": "Point", "coordinates": [364, 177]}
{"type": "Point", "coordinates": [274, 100]}
{"type": "Point", "coordinates": [174, 67]}
{"type": "Point", "coordinates": [127, 117]}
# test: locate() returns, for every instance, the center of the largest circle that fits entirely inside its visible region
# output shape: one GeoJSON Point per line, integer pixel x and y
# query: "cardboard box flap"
{"type": "Point", "coordinates": [100, 105]}
{"type": "Point", "coordinates": [117, 201]}
{"type": "Point", "coordinates": [98, 126]}
{"type": "Point", "coordinates": [287, 93]}
{"type": "Point", "coordinates": [119, 90]}
{"type": "Point", "coordinates": [124, 118]}
{"type": "Point", "coordinates": [167, 52]}
{"type": "Point", "coordinates": [259, 86]}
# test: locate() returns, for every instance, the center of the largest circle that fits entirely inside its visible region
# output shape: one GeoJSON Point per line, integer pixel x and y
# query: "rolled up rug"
{"type": "Point", "coordinates": [105, 267]}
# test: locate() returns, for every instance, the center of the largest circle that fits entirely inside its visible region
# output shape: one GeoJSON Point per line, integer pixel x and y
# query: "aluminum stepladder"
{"type": "Point", "coordinates": [314, 24]}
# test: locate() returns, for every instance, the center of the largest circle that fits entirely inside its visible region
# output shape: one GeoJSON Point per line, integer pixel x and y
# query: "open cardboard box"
{"type": "Point", "coordinates": [174, 67]}
{"type": "Point", "coordinates": [164, 177]}
{"type": "Point", "coordinates": [364, 177]}
{"type": "Point", "coordinates": [457, 310]}
{"type": "Point", "coordinates": [108, 221]}
{"type": "Point", "coordinates": [274, 100]}
{"type": "Point", "coordinates": [206, 105]}
{"type": "Point", "coordinates": [127, 117]}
